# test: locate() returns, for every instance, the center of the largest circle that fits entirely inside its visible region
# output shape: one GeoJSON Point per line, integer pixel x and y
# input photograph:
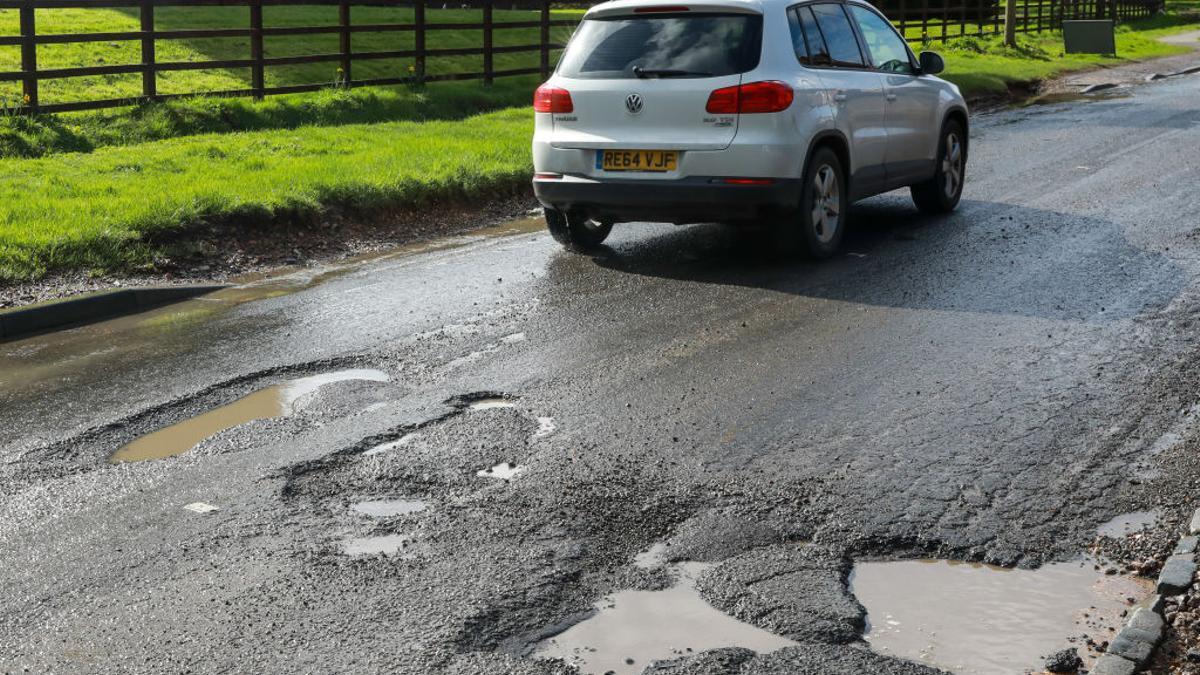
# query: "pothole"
{"type": "Point", "coordinates": [491, 403]}
{"type": "Point", "coordinates": [391, 445]}
{"type": "Point", "coordinates": [1127, 523]}
{"type": "Point", "coordinates": [629, 630]}
{"type": "Point", "coordinates": [981, 619]}
{"type": "Point", "coordinates": [385, 544]}
{"type": "Point", "coordinates": [386, 508]}
{"type": "Point", "coordinates": [503, 470]}
{"type": "Point", "coordinates": [279, 400]}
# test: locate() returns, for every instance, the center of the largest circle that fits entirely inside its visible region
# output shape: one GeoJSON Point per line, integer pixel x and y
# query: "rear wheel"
{"type": "Point", "coordinates": [575, 231]}
{"type": "Point", "coordinates": [941, 193]}
{"type": "Point", "coordinates": [818, 226]}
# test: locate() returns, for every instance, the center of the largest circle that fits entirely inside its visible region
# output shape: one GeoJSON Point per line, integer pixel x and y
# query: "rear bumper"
{"type": "Point", "coordinates": [684, 200]}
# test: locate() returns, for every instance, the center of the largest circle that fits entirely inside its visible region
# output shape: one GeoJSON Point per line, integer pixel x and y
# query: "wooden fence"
{"type": "Point", "coordinates": [918, 20]}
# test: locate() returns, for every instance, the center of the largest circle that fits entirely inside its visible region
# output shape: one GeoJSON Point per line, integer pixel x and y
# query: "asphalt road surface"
{"type": "Point", "coordinates": [984, 386]}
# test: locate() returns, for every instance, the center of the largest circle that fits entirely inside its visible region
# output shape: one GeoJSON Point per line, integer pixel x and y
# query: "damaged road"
{"type": "Point", "coordinates": [986, 387]}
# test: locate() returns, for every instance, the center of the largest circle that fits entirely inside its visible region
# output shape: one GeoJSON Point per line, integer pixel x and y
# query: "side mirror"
{"type": "Point", "coordinates": [931, 63]}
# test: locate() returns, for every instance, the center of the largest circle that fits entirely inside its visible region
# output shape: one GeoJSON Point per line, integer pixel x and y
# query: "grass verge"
{"type": "Point", "coordinates": [115, 208]}
{"type": "Point", "coordinates": [985, 66]}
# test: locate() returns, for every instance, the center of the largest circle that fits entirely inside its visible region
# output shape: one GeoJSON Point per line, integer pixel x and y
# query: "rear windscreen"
{"type": "Point", "coordinates": [674, 45]}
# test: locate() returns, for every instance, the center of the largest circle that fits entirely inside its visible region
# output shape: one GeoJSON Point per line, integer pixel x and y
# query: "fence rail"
{"type": "Point", "coordinates": [918, 21]}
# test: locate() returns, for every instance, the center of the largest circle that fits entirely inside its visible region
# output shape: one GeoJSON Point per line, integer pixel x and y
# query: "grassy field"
{"type": "Point", "coordinates": [114, 186]}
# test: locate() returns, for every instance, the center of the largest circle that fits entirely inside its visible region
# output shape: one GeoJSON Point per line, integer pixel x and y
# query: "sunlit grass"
{"type": "Point", "coordinates": [100, 210]}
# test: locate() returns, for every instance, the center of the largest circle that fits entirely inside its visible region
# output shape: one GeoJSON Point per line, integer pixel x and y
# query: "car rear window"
{"type": "Point", "coordinates": [664, 45]}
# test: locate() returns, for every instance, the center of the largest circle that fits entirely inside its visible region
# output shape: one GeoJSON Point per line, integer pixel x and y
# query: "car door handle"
{"type": "Point", "coordinates": [839, 97]}
{"type": "Point", "coordinates": [890, 97]}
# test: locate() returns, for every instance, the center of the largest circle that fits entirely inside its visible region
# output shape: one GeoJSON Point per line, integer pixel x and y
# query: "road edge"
{"type": "Point", "coordinates": [93, 307]}
{"type": "Point", "coordinates": [1133, 646]}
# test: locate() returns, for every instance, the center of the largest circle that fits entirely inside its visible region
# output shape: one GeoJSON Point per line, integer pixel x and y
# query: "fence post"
{"type": "Point", "coordinates": [488, 63]}
{"type": "Point", "coordinates": [545, 39]}
{"type": "Point", "coordinates": [257, 81]}
{"type": "Point", "coordinates": [149, 75]}
{"type": "Point", "coordinates": [29, 85]}
{"type": "Point", "coordinates": [344, 40]}
{"type": "Point", "coordinates": [419, 39]}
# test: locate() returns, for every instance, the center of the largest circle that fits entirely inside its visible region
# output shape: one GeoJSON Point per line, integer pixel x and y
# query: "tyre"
{"type": "Point", "coordinates": [575, 231]}
{"type": "Point", "coordinates": [817, 227]}
{"type": "Point", "coordinates": [941, 193]}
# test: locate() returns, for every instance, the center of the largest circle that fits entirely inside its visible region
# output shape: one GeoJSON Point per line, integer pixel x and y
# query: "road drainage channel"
{"type": "Point", "coordinates": [977, 619]}
{"type": "Point", "coordinates": [631, 629]}
{"type": "Point", "coordinates": [279, 400]}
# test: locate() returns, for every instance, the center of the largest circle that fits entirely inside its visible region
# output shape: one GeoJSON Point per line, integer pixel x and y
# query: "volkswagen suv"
{"type": "Point", "coordinates": [742, 111]}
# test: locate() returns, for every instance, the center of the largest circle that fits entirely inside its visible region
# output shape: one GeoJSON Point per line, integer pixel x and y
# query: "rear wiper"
{"type": "Point", "coordinates": [645, 73]}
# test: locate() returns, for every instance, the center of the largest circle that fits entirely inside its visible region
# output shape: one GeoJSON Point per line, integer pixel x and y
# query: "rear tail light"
{"type": "Point", "coordinates": [546, 175]}
{"type": "Point", "coordinates": [755, 97]}
{"type": "Point", "coordinates": [552, 100]}
{"type": "Point", "coordinates": [660, 9]}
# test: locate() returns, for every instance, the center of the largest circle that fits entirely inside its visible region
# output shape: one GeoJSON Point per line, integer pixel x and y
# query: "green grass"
{"type": "Point", "coordinates": [100, 210]}
{"type": "Point", "coordinates": [26, 136]}
{"type": "Point", "coordinates": [981, 66]}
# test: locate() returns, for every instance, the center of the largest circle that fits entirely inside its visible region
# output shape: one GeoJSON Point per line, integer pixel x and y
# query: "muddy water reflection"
{"type": "Point", "coordinates": [978, 619]}
{"type": "Point", "coordinates": [276, 401]}
{"type": "Point", "coordinates": [632, 629]}
{"type": "Point", "coordinates": [1127, 523]}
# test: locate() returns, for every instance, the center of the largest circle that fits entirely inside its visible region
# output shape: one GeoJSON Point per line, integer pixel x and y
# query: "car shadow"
{"type": "Point", "coordinates": [986, 257]}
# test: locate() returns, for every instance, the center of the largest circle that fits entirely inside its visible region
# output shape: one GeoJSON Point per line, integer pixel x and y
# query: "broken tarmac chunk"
{"type": "Point", "coordinates": [1176, 575]}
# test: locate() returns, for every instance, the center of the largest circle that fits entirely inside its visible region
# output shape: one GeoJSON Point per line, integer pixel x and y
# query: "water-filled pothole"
{"type": "Point", "coordinates": [1127, 523]}
{"type": "Point", "coordinates": [385, 544]}
{"type": "Point", "coordinates": [982, 619]}
{"type": "Point", "coordinates": [391, 445]}
{"type": "Point", "coordinates": [386, 508]}
{"type": "Point", "coordinates": [503, 470]}
{"type": "Point", "coordinates": [631, 629]}
{"type": "Point", "coordinates": [276, 401]}
{"type": "Point", "coordinates": [491, 403]}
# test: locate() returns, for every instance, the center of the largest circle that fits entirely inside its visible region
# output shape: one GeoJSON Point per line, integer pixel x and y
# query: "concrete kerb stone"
{"type": "Point", "coordinates": [1132, 647]}
{"type": "Point", "coordinates": [16, 323]}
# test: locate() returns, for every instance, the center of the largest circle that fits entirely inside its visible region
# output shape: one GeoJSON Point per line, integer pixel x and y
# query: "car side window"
{"type": "Point", "coordinates": [798, 43]}
{"type": "Point", "coordinates": [839, 35]}
{"type": "Point", "coordinates": [818, 53]}
{"type": "Point", "coordinates": [888, 51]}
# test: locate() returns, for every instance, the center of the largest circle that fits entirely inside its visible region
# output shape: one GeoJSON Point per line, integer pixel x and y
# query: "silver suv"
{"type": "Point", "coordinates": [742, 111]}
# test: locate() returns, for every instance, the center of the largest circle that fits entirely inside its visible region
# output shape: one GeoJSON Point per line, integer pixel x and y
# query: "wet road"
{"type": "Point", "coordinates": [985, 387]}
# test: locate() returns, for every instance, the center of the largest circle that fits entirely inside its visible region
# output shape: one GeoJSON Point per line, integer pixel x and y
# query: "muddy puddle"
{"type": "Point", "coordinates": [386, 544]}
{"type": "Point", "coordinates": [386, 508]}
{"type": "Point", "coordinates": [632, 629]}
{"type": "Point", "coordinates": [1127, 523]}
{"type": "Point", "coordinates": [978, 619]}
{"type": "Point", "coordinates": [278, 400]}
{"type": "Point", "coordinates": [503, 471]}
{"type": "Point", "coordinates": [1060, 97]}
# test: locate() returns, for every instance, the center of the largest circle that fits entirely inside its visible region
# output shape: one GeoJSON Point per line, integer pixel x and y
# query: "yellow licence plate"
{"type": "Point", "coordinates": [636, 160]}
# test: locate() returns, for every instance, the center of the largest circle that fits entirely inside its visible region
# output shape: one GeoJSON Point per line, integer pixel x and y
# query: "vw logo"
{"type": "Point", "coordinates": [633, 103]}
